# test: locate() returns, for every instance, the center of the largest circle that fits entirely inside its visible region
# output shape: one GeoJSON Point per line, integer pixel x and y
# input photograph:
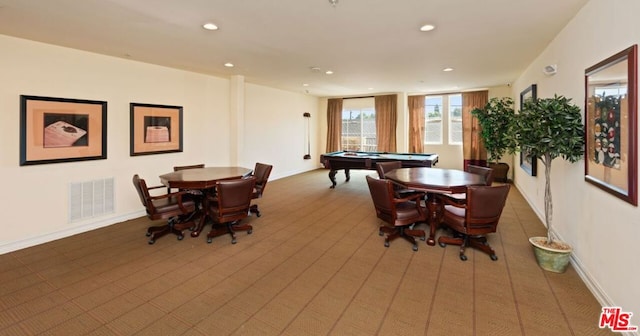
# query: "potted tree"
{"type": "Point", "coordinates": [496, 119]}
{"type": "Point", "coordinates": [547, 129]}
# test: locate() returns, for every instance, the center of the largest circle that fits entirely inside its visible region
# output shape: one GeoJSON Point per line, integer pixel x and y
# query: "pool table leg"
{"type": "Point", "coordinates": [347, 174]}
{"type": "Point", "coordinates": [332, 177]}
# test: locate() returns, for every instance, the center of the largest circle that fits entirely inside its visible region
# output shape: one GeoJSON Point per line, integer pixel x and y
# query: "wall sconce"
{"type": "Point", "coordinates": [307, 117]}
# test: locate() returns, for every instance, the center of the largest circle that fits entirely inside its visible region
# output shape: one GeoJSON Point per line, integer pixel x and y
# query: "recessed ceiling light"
{"type": "Point", "coordinates": [427, 27]}
{"type": "Point", "coordinates": [329, 72]}
{"type": "Point", "coordinates": [228, 65]}
{"type": "Point", "coordinates": [305, 84]}
{"type": "Point", "coordinates": [210, 26]}
{"type": "Point", "coordinates": [447, 69]}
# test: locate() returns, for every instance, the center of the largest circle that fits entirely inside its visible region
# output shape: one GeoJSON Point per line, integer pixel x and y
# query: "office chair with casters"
{"type": "Point", "coordinates": [178, 168]}
{"type": "Point", "coordinates": [229, 206]}
{"type": "Point", "coordinates": [485, 172]}
{"type": "Point", "coordinates": [474, 219]}
{"type": "Point", "coordinates": [176, 209]}
{"type": "Point", "coordinates": [399, 214]}
{"type": "Point", "coordinates": [387, 166]}
{"type": "Point", "coordinates": [261, 173]}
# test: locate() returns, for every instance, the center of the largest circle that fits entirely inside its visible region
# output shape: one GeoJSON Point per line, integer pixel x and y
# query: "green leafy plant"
{"type": "Point", "coordinates": [496, 120]}
{"type": "Point", "coordinates": [547, 129]}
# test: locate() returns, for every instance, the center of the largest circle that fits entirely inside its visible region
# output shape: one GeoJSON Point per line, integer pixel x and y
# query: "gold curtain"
{"type": "Point", "coordinates": [416, 124]}
{"type": "Point", "coordinates": [386, 120]}
{"type": "Point", "coordinates": [334, 125]}
{"type": "Point", "coordinates": [472, 147]}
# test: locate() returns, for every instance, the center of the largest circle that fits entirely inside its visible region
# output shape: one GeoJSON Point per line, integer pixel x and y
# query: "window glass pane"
{"type": "Point", "coordinates": [359, 130]}
{"type": "Point", "coordinates": [433, 120]}
{"type": "Point", "coordinates": [455, 119]}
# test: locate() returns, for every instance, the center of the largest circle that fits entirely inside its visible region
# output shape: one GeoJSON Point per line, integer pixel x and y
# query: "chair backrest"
{"type": "Point", "coordinates": [485, 172]}
{"type": "Point", "coordinates": [261, 173]}
{"type": "Point", "coordinates": [177, 168]}
{"type": "Point", "coordinates": [143, 191]}
{"type": "Point", "coordinates": [385, 167]}
{"type": "Point", "coordinates": [390, 211]}
{"type": "Point", "coordinates": [382, 195]}
{"type": "Point", "coordinates": [484, 207]}
{"type": "Point", "coordinates": [234, 199]}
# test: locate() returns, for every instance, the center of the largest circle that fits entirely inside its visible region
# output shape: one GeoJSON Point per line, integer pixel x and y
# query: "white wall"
{"type": "Point", "coordinates": [38, 194]}
{"type": "Point", "coordinates": [602, 229]}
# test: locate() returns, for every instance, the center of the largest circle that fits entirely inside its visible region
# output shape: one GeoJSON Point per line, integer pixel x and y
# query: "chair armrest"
{"type": "Point", "coordinates": [456, 202]}
{"type": "Point", "coordinates": [178, 196]}
{"type": "Point", "coordinates": [409, 198]}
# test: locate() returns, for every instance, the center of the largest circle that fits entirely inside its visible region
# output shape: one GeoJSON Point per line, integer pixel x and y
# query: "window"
{"type": "Point", "coordinates": [455, 119]}
{"type": "Point", "coordinates": [440, 111]}
{"type": "Point", "coordinates": [359, 129]}
{"type": "Point", "coordinates": [433, 120]}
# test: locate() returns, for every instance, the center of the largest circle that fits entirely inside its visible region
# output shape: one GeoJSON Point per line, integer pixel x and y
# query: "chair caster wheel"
{"type": "Point", "coordinates": [209, 240]}
{"type": "Point", "coordinates": [380, 233]}
{"type": "Point", "coordinates": [442, 244]}
{"type": "Point", "coordinates": [386, 244]}
{"type": "Point", "coordinates": [233, 241]}
{"type": "Point", "coordinates": [415, 248]}
{"type": "Point", "coordinates": [151, 241]}
{"type": "Point", "coordinates": [258, 214]}
{"type": "Point", "coordinates": [494, 257]}
{"type": "Point", "coordinates": [249, 231]}
{"type": "Point", "coordinates": [180, 237]}
{"type": "Point", "coordinates": [423, 238]}
{"type": "Point", "coordinates": [148, 234]}
{"type": "Point", "coordinates": [463, 257]}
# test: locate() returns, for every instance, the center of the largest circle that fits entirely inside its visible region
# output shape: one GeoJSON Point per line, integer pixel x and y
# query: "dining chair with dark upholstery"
{"type": "Point", "coordinates": [178, 168]}
{"type": "Point", "coordinates": [473, 220]}
{"type": "Point", "coordinates": [175, 208]}
{"type": "Point", "coordinates": [194, 166]}
{"type": "Point", "coordinates": [261, 173]}
{"type": "Point", "coordinates": [485, 172]}
{"type": "Point", "coordinates": [387, 166]}
{"type": "Point", "coordinates": [399, 214]}
{"type": "Point", "coordinates": [229, 206]}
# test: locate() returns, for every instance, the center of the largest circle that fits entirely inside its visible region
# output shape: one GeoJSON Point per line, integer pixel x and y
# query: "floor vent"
{"type": "Point", "coordinates": [90, 199]}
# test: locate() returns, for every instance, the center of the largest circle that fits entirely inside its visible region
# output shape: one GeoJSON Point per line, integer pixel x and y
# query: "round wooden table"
{"type": "Point", "coordinates": [434, 181]}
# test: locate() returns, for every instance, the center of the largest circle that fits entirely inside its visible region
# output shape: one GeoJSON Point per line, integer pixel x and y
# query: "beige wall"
{"type": "Point", "coordinates": [38, 210]}
{"type": "Point", "coordinates": [601, 228]}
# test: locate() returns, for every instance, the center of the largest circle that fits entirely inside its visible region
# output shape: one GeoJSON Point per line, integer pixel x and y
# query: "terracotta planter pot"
{"type": "Point", "coordinates": [549, 258]}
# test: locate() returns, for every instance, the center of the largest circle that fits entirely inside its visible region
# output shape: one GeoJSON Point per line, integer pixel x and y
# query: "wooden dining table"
{"type": "Point", "coordinates": [434, 181]}
{"type": "Point", "coordinates": [204, 180]}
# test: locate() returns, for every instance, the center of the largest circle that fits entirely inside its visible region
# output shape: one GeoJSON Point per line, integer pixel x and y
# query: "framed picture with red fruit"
{"type": "Point", "coordinates": [611, 120]}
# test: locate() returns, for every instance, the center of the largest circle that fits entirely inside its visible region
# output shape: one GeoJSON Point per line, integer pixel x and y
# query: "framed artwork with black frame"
{"type": "Point", "coordinates": [54, 130]}
{"type": "Point", "coordinates": [155, 129]}
{"type": "Point", "coordinates": [611, 125]}
{"type": "Point", "coordinates": [527, 163]}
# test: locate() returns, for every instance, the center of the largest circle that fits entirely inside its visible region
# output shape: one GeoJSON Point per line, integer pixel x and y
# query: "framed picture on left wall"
{"type": "Point", "coordinates": [56, 130]}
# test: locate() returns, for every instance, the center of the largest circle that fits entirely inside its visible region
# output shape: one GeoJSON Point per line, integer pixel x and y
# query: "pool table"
{"type": "Point", "coordinates": [367, 160]}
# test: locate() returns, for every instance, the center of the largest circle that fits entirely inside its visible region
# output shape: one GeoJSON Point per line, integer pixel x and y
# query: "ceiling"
{"type": "Point", "coordinates": [372, 46]}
